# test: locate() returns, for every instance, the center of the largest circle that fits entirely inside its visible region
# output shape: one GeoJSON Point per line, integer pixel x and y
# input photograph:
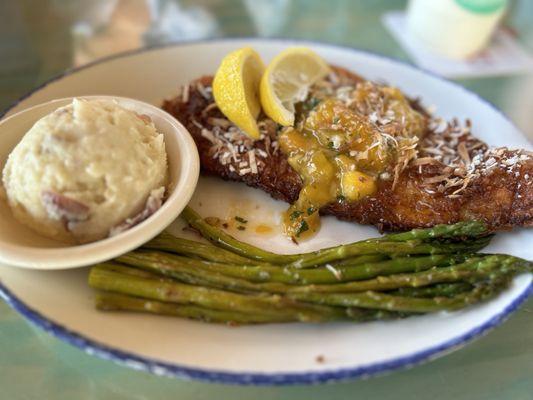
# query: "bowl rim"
{"type": "Point", "coordinates": [76, 256]}
{"type": "Point", "coordinates": [143, 363]}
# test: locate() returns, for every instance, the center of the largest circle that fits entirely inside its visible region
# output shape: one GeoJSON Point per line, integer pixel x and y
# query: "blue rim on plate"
{"type": "Point", "coordinates": [156, 367]}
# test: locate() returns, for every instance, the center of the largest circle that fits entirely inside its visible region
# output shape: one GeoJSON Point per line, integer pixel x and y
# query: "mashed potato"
{"type": "Point", "coordinates": [85, 169]}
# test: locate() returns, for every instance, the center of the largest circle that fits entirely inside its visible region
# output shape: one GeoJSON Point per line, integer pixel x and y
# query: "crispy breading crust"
{"type": "Point", "coordinates": [503, 198]}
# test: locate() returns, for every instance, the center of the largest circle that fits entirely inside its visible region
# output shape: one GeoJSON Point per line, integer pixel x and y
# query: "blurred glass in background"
{"type": "Point", "coordinates": [456, 29]}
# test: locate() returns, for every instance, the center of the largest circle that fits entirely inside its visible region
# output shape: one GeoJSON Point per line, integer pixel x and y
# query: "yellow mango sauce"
{"type": "Point", "coordinates": [340, 154]}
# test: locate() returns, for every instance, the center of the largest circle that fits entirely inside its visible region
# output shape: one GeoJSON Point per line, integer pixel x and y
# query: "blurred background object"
{"type": "Point", "coordinates": [173, 21]}
{"type": "Point", "coordinates": [39, 39]}
{"type": "Point", "coordinates": [104, 27]}
{"type": "Point", "coordinates": [496, 54]}
{"type": "Point", "coordinates": [268, 16]}
{"type": "Point", "coordinates": [455, 28]}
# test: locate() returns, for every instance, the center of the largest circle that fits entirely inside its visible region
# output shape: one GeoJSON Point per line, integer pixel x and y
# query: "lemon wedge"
{"type": "Point", "coordinates": [286, 81]}
{"type": "Point", "coordinates": [236, 89]}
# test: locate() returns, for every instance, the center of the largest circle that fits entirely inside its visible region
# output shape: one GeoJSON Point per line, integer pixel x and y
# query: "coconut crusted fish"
{"type": "Point", "coordinates": [441, 176]}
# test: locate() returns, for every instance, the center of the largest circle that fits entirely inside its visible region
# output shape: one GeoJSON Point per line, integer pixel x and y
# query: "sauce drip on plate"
{"type": "Point", "coordinates": [341, 149]}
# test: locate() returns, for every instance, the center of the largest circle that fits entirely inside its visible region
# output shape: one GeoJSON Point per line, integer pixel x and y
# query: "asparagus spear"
{"type": "Point", "coordinates": [272, 305]}
{"type": "Point", "coordinates": [438, 277]}
{"type": "Point", "coordinates": [189, 271]}
{"type": "Point", "coordinates": [473, 269]}
{"type": "Point", "coordinates": [206, 251]}
{"type": "Point", "coordinates": [494, 270]}
{"type": "Point", "coordinates": [167, 263]}
{"type": "Point", "coordinates": [382, 301]}
{"type": "Point", "coordinates": [371, 246]}
{"type": "Point", "coordinates": [201, 275]}
{"type": "Point", "coordinates": [465, 229]}
{"type": "Point", "coordinates": [107, 301]}
{"type": "Point", "coordinates": [118, 302]}
{"type": "Point", "coordinates": [145, 273]}
{"type": "Point", "coordinates": [438, 290]}
{"type": "Point", "coordinates": [222, 239]}
{"type": "Point", "coordinates": [250, 313]}
{"type": "Point", "coordinates": [345, 272]}
{"type": "Point", "coordinates": [170, 243]}
{"type": "Point", "coordinates": [120, 268]}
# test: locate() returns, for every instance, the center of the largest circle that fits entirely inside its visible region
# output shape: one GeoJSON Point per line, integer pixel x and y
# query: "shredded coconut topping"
{"type": "Point", "coordinates": [446, 143]}
{"type": "Point", "coordinates": [229, 145]}
{"type": "Point", "coordinates": [334, 271]}
{"type": "Point", "coordinates": [465, 157]}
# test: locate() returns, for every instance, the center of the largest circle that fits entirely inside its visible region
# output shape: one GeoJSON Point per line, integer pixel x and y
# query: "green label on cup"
{"type": "Point", "coordinates": [482, 6]}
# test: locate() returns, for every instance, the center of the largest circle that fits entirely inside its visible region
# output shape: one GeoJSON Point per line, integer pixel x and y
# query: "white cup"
{"type": "Point", "coordinates": [454, 28]}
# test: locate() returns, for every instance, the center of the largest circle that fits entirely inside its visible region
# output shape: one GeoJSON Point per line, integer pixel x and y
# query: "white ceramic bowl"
{"type": "Point", "coordinates": [21, 247]}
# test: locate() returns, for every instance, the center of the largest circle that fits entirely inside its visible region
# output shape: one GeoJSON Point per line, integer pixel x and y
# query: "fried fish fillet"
{"type": "Point", "coordinates": [455, 177]}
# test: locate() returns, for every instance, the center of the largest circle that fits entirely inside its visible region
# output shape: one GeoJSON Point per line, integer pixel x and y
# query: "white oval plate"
{"type": "Point", "coordinates": [61, 302]}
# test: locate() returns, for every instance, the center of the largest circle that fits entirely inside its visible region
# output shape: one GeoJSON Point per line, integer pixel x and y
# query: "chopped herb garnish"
{"type": "Point", "coordinates": [295, 214]}
{"type": "Point", "coordinates": [331, 145]}
{"type": "Point", "coordinates": [312, 103]}
{"type": "Point", "coordinates": [302, 228]}
{"type": "Point", "coordinates": [340, 197]}
{"type": "Point", "coordinates": [310, 210]}
{"type": "Point", "coordinates": [240, 219]}
{"type": "Point", "coordinates": [336, 120]}
{"type": "Point", "coordinates": [241, 228]}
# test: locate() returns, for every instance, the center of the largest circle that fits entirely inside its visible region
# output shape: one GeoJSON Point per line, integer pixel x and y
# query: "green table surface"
{"type": "Point", "coordinates": [39, 39]}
